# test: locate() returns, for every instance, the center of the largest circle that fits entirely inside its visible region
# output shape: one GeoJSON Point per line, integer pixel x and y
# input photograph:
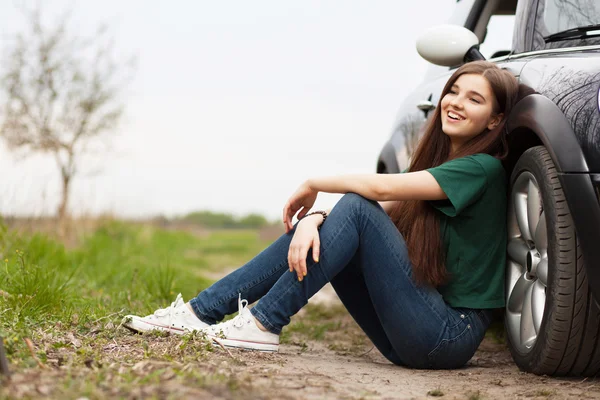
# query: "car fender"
{"type": "Point", "coordinates": [540, 115]}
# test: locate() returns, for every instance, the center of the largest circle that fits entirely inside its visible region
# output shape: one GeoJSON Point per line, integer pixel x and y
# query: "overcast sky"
{"type": "Point", "coordinates": [235, 103]}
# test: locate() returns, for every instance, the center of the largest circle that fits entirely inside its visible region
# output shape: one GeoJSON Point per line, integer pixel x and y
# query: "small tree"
{"type": "Point", "coordinates": [61, 94]}
{"type": "Point", "coordinates": [253, 221]}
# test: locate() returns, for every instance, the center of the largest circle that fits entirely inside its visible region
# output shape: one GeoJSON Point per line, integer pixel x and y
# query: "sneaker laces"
{"type": "Point", "coordinates": [238, 321]}
{"type": "Point", "coordinates": [163, 312]}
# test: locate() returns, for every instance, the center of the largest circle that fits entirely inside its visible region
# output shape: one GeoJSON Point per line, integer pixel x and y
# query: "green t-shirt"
{"type": "Point", "coordinates": [473, 229]}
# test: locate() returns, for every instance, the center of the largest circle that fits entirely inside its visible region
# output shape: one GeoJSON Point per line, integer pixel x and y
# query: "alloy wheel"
{"type": "Point", "coordinates": [527, 263]}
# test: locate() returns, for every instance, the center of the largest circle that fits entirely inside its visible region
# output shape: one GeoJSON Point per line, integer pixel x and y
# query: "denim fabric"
{"type": "Point", "coordinates": [366, 260]}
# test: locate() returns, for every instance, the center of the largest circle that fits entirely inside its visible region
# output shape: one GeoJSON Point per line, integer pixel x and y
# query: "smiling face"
{"type": "Point", "coordinates": [468, 109]}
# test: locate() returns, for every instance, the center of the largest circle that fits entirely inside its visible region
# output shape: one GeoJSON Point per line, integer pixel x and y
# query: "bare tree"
{"type": "Point", "coordinates": [61, 94]}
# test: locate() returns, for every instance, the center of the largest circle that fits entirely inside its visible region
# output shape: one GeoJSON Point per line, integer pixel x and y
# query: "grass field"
{"type": "Point", "coordinates": [119, 267]}
{"type": "Point", "coordinates": [60, 310]}
{"type": "Point", "coordinates": [67, 303]}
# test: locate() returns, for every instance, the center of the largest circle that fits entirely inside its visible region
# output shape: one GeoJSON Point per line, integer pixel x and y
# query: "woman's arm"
{"type": "Point", "coordinates": [420, 185]}
{"type": "Point", "coordinates": [318, 218]}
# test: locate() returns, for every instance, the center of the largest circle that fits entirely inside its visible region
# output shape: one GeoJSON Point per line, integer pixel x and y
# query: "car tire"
{"type": "Point", "coordinates": [551, 318]}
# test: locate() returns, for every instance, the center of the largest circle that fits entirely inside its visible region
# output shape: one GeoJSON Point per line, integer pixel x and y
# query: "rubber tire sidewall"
{"type": "Point", "coordinates": [542, 359]}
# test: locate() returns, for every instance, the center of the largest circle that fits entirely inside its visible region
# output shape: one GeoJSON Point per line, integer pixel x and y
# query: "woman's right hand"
{"type": "Point", "coordinates": [305, 237]}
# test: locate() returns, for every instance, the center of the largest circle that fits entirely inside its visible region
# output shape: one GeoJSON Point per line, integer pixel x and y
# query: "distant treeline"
{"type": "Point", "coordinates": [211, 219]}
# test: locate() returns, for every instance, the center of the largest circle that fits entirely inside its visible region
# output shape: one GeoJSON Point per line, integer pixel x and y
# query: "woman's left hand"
{"type": "Point", "coordinates": [306, 237]}
{"type": "Point", "coordinates": [303, 199]}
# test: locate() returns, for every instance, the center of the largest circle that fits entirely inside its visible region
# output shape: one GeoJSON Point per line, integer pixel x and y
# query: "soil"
{"type": "Point", "coordinates": [323, 356]}
{"type": "Point", "coordinates": [320, 373]}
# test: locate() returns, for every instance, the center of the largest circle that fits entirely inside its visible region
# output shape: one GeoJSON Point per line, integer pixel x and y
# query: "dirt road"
{"type": "Point", "coordinates": [324, 355]}
{"type": "Point", "coordinates": [320, 372]}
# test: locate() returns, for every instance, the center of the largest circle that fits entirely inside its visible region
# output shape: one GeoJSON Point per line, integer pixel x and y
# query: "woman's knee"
{"type": "Point", "coordinates": [356, 202]}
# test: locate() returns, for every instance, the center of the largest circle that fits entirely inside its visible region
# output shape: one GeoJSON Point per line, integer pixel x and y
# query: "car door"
{"type": "Point", "coordinates": [413, 115]}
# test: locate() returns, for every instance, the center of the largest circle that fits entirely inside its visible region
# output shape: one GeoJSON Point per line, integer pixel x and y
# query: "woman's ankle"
{"type": "Point", "coordinates": [189, 306]}
{"type": "Point", "coordinates": [259, 325]}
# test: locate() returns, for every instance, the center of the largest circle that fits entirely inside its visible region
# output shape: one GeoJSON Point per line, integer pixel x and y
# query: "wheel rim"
{"type": "Point", "coordinates": [527, 263]}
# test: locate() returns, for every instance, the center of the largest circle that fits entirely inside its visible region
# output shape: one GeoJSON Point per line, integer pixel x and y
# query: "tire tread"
{"type": "Point", "coordinates": [568, 343]}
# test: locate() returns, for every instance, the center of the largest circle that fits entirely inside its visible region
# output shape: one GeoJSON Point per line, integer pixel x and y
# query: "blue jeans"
{"type": "Point", "coordinates": [366, 260]}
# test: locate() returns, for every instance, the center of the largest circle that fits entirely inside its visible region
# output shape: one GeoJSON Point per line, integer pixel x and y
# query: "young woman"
{"type": "Point", "coordinates": [419, 272]}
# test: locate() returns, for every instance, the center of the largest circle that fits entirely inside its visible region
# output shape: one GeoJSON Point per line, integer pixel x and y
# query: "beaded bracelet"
{"type": "Point", "coordinates": [323, 213]}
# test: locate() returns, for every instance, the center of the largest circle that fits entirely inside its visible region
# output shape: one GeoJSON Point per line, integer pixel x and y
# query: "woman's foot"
{"type": "Point", "coordinates": [177, 318]}
{"type": "Point", "coordinates": [243, 332]}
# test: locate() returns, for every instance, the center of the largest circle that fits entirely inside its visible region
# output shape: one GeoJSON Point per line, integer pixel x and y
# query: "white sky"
{"type": "Point", "coordinates": [235, 103]}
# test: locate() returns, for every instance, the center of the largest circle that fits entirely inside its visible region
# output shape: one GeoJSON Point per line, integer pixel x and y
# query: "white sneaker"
{"type": "Point", "coordinates": [177, 318]}
{"type": "Point", "coordinates": [242, 332]}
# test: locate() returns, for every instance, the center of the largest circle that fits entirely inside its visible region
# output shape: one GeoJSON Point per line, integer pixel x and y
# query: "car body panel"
{"type": "Point", "coordinates": [539, 114]}
{"type": "Point", "coordinates": [409, 126]}
{"type": "Point", "coordinates": [523, 29]}
{"type": "Point", "coordinates": [572, 81]}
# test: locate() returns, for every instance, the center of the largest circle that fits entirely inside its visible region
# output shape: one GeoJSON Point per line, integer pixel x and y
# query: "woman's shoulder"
{"type": "Point", "coordinates": [489, 163]}
{"type": "Point", "coordinates": [485, 161]}
{"type": "Point", "coordinates": [494, 170]}
{"type": "Point", "coordinates": [480, 163]}
{"type": "Point", "coordinates": [484, 158]}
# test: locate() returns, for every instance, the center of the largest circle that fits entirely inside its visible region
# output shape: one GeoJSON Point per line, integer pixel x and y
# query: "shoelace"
{"type": "Point", "coordinates": [237, 321]}
{"type": "Point", "coordinates": [163, 312]}
{"type": "Point", "coordinates": [242, 304]}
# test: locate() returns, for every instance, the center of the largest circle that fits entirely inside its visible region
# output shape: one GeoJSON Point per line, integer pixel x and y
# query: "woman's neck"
{"type": "Point", "coordinates": [454, 147]}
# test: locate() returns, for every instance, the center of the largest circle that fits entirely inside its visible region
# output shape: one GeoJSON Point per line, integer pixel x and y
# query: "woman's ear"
{"type": "Point", "coordinates": [495, 120]}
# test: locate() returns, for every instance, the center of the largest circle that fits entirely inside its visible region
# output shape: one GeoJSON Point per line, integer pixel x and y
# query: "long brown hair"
{"type": "Point", "coordinates": [417, 220]}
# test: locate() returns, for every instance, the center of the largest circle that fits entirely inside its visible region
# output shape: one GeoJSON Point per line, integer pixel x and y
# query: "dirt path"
{"type": "Point", "coordinates": [342, 364]}
{"type": "Point", "coordinates": [317, 372]}
{"type": "Point", "coordinates": [323, 355]}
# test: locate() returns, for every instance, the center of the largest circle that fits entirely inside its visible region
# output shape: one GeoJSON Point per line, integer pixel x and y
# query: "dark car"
{"type": "Point", "coordinates": [552, 318]}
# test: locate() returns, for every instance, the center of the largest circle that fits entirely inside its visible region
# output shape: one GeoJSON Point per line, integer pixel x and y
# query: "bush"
{"type": "Point", "coordinates": [215, 220]}
{"type": "Point", "coordinates": [121, 266]}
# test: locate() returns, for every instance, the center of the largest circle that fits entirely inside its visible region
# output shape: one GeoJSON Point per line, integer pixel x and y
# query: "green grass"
{"type": "Point", "coordinates": [68, 303]}
{"type": "Point", "coordinates": [545, 392]}
{"type": "Point", "coordinates": [119, 269]}
{"type": "Point", "coordinates": [435, 393]}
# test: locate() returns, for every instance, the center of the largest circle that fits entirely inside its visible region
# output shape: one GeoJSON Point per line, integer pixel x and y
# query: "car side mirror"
{"type": "Point", "coordinates": [448, 45]}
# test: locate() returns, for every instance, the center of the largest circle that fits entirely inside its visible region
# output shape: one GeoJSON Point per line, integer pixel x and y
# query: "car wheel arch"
{"type": "Point", "coordinates": [537, 114]}
{"type": "Point", "coordinates": [519, 141]}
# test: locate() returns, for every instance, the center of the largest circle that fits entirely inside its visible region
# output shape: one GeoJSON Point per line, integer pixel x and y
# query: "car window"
{"type": "Point", "coordinates": [560, 15]}
{"type": "Point", "coordinates": [498, 38]}
{"type": "Point", "coordinates": [554, 16]}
